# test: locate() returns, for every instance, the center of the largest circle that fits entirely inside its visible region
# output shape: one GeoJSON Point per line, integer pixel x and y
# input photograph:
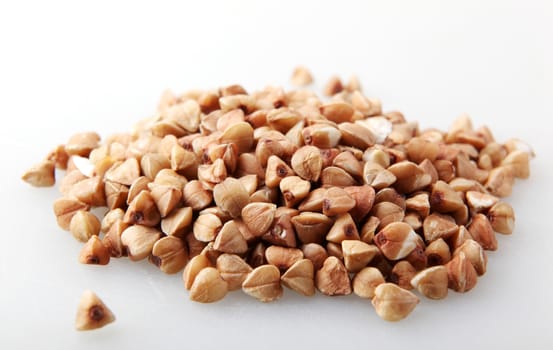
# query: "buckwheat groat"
{"type": "Point", "coordinates": [256, 190]}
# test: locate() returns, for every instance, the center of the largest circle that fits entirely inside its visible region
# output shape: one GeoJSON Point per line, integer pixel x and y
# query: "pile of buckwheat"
{"type": "Point", "coordinates": [258, 190]}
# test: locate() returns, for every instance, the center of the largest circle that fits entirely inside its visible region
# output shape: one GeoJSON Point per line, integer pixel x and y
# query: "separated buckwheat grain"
{"type": "Point", "coordinates": [92, 313]}
{"type": "Point", "coordinates": [41, 175]}
{"type": "Point", "coordinates": [256, 190]}
{"type": "Point", "coordinates": [301, 76]}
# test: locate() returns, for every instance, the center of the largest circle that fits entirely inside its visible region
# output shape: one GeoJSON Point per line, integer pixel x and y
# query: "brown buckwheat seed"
{"type": "Point", "coordinates": [94, 252]}
{"type": "Point", "coordinates": [41, 175]}
{"type": "Point", "coordinates": [263, 283]}
{"type": "Point", "coordinates": [208, 286]}
{"type": "Point", "coordinates": [393, 303]}
{"type": "Point", "coordinates": [253, 190]}
{"type": "Point", "coordinates": [333, 278]}
{"type": "Point", "coordinates": [233, 269]}
{"type": "Point", "coordinates": [92, 313]}
{"type": "Point", "coordinates": [299, 277]}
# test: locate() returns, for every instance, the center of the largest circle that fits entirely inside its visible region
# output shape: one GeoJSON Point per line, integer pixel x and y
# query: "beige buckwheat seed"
{"type": "Point", "coordinates": [254, 190]}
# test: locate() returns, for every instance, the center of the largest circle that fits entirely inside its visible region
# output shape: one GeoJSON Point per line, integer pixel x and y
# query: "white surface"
{"type": "Point", "coordinates": [67, 67]}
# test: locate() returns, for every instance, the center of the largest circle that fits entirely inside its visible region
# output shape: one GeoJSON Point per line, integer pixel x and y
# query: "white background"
{"type": "Point", "coordinates": [74, 66]}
